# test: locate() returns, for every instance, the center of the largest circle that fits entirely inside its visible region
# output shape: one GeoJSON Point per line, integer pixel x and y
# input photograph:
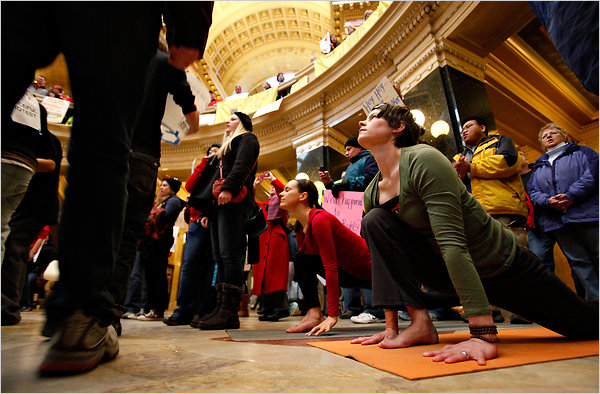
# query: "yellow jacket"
{"type": "Point", "coordinates": [495, 179]}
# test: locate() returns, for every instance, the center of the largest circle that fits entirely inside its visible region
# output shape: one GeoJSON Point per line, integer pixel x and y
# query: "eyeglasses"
{"type": "Point", "coordinates": [548, 135]}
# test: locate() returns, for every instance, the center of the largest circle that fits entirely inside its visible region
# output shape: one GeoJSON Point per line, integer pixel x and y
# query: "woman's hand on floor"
{"type": "Point", "coordinates": [325, 326]}
{"type": "Point", "coordinates": [377, 338]}
{"type": "Point", "coordinates": [473, 349]}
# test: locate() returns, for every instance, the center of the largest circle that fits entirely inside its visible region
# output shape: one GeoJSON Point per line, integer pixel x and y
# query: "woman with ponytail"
{"type": "Point", "coordinates": [325, 247]}
{"type": "Point", "coordinates": [236, 162]}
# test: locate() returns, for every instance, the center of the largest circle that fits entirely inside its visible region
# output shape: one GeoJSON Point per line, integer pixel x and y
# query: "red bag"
{"type": "Point", "coordinates": [219, 183]}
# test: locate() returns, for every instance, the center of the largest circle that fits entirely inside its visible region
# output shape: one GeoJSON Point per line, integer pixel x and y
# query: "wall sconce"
{"type": "Point", "coordinates": [419, 117]}
{"type": "Point", "coordinates": [439, 128]}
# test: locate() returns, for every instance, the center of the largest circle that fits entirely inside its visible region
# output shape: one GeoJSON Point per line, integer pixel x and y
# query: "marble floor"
{"type": "Point", "coordinates": [156, 358]}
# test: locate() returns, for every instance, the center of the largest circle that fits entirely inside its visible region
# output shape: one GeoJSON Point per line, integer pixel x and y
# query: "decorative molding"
{"type": "Point", "coordinates": [460, 58]}
{"type": "Point", "coordinates": [321, 137]}
{"type": "Point", "coordinates": [519, 48]}
{"type": "Point", "coordinates": [357, 79]}
{"type": "Point", "coordinates": [505, 79]}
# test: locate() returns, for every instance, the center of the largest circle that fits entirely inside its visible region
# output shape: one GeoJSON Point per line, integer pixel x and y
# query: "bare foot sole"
{"type": "Point", "coordinates": [412, 335]}
{"type": "Point", "coordinates": [307, 324]}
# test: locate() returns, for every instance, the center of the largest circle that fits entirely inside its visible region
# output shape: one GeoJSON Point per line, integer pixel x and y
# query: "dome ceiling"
{"type": "Point", "coordinates": [250, 41]}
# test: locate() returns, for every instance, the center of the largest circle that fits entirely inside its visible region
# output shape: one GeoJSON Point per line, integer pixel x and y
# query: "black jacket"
{"type": "Point", "coordinates": [239, 168]}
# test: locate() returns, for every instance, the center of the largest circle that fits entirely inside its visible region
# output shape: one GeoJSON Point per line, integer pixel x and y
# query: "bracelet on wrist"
{"type": "Point", "coordinates": [489, 340]}
{"type": "Point", "coordinates": [483, 330]}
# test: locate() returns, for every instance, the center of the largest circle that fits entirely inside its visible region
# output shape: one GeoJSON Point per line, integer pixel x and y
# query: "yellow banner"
{"type": "Point", "coordinates": [324, 62]}
{"type": "Point", "coordinates": [246, 105]}
{"type": "Point", "coordinates": [300, 83]}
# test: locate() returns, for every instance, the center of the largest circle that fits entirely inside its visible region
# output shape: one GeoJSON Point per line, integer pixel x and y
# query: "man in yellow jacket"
{"type": "Point", "coordinates": [490, 167]}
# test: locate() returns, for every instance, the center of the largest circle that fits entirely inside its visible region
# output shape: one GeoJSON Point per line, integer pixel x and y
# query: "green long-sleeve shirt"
{"type": "Point", "coordinates": [435, 202]}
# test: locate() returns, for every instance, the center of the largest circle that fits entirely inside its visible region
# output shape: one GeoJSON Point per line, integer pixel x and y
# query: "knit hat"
{"type": "Point", "coordinates": [245, 119]}
{"type": "Point", "coordinates": [353, 142]}
{"type": "Point", "coordinates": [174, 184]}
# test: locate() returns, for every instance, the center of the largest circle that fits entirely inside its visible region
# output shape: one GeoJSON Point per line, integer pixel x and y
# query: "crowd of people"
{"type": "Point", "coordinates": [458, 229]}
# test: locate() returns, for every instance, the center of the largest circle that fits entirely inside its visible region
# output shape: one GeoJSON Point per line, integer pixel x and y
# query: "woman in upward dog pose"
{"type": "Point", "coordinates": [422, 226]}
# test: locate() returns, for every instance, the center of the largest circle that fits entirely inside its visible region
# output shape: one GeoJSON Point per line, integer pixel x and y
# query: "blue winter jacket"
{"type": "Point", "coordinates": [574, 173]}
{"type": "Point", "coordinates": [359, 173]}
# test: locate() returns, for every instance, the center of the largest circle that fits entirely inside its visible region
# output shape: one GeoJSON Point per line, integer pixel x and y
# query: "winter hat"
{"type": "Point", "coordinates": [353, 142]}
{"type": "Point", "coordinates": [174, 184]}
{"type": "Point", "coordinates": [245, 119]}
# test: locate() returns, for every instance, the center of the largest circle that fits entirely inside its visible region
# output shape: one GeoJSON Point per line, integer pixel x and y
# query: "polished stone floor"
{"type": "Point", "coordinates": [157, 358]}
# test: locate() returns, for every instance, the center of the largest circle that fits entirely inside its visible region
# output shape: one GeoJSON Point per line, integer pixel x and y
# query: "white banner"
{"type": "Point", "coordinates": [174, 126]}
{"type": "Point", "coordinates": [27, 111]}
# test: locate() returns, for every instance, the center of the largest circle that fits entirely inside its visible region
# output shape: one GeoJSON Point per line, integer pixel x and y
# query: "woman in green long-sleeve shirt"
{"type": "Point", "coordinates": [422, 226]}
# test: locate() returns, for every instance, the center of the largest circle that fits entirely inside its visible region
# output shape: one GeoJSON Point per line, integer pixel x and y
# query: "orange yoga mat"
{"type": "Point", "coordinates": [517, 347]}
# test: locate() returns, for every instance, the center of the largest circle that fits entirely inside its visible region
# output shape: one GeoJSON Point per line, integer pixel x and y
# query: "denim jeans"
{"type": "Point", "coordinates": [352, 301]}
{"type": "Point", "coordinates": [196, 294]}
{"type": "Point", "coordinates": [368, 297]}
{"type": "Point", "coordinates": [579, 243]}
{"type": "Point", "coordinates": [136, 290]}
{"type": "Point", "coordinates": [542, 244]}
{"type": "Point", "coordinates": [114, 44]}
{"type": "Point", "coordinates": [15, 180]}
{"type": "Point", "coordinates": [228, 237]}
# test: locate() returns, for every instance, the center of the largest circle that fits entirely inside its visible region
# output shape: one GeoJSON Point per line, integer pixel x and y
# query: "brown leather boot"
{"type": "Point", "coordinates": [226, 317]}
{"type": "Point", "coordinates": [243, 312]}
{"type": "Point", "coordinates": [197, 322]}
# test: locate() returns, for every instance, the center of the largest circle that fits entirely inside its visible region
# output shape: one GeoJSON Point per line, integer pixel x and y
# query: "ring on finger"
{"type": "Point", "coordinates": [466, 354]}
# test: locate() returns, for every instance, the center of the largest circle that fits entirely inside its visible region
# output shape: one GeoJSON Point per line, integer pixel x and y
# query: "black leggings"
{"type": "Point", "coordinates": [401, 259]}
{"type": "Point", "coordinates": [306, 268]}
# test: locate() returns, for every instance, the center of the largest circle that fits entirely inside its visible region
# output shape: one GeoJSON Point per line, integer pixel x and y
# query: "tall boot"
{"type": "Point", "coordinates": [243, 312]}
{"type": "Point", "coordinates": [227, 317]}
{"type": "Point", "coordinates": [197, 322]}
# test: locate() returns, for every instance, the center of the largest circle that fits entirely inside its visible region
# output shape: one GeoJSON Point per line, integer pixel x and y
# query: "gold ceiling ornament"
{"type": "Point", "coordinates": [243, 30]}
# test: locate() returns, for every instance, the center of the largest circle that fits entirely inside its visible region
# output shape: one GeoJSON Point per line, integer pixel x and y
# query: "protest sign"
{"type": "Point", "coordinates": [56, 109]}
{"type": "Point", "coordinates": [174, 126]}
{"type": "Point", "coordinates": [348, 208]}
{"type": "Point", "coordinates": [384, 92]}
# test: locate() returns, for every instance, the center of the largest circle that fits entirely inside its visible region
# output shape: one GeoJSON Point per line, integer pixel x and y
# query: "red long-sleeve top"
{"type": "Point", "coordinates": [337, 246]}
{"type": "Point", "coordinates": [190, 184]}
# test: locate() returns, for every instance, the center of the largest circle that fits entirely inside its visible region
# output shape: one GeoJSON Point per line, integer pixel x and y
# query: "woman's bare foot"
{"type": "Point", "coordinates": [313, 318]}
{"type": "Point", "coordinates": [421, 331]}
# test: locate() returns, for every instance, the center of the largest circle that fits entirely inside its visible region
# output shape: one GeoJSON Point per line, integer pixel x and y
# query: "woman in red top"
{"type": "Point", "coordinates": [272, 270]}
{"type": "Point", "coordinates": [325, 247]}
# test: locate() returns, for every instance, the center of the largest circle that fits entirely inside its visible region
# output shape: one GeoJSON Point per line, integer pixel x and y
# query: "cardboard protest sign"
{"type": "Point", "coordinates": [384, 92]}
{"type": "Point", "coordinates": [348, 208]}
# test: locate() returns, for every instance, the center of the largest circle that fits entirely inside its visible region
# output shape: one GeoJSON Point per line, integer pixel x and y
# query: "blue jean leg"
{"type": "Point", "coordinates": [542, 245]}
{"type": "Point", "coordinates": [197, 269]}
{"type": "Point", "coordinates": [352, 302]}
{"type": "Point", "coordinates": [368, 297]}
{"type": "Point", "coordinates": [579, 243]}
{"type": "Point", "coordinates": [136, 292]}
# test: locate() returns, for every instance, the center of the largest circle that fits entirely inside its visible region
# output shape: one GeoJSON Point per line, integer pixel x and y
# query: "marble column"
{"type": "Point", "coordinates": [452, 96]}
